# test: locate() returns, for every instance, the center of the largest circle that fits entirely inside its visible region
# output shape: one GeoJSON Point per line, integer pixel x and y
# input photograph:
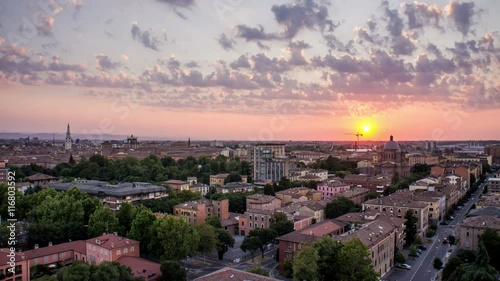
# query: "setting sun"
{"type": "Point", "coordinates": [366, 128]}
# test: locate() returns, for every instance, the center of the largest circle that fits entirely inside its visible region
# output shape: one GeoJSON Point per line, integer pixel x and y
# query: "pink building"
{"type": "Point", "coordinates": [21, 267]}
{"type": "Point", "coordinates": [110, 247]}
{"type": "Point", "coordinates": [331, 187]}
{"type": "Point", "coordinates": [263, 202]}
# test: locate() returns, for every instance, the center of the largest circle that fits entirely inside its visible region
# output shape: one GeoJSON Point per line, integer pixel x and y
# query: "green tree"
{"type": "Point", "coordinates": [81, 271]}
{"type": "Point", "coordinates": [491, 241]}
{"type": "Point", "coordinates": [411, 226]}
{"type": "Point", "coordinates": [453, 264]}
{"type": "Point", "coordinates": [339, 207]}
{"type": "Point", "coordinates": [251, 244]}
{"type": "Point", "coordinates": [125, 216]}
{"type": "Point", "coordinates": [269, 190]}
{"type": "Point", "coordinates": [208, 238]}
{"type": "Point", "coordinates": [103, 220]}
{"type": "Point", "coordinates": [141, 229]}
{"type": "Point", "coordinates": [281, 223]}
{"type": "Point", "coordinates": [430, 233]}
{"type": "Point", "coordinates": [172, 270]}
{"type": "Point", "coordinates": [173, 238]}
{"type": "Point", "coordinates": [305, 265]}
{"type": "Point", "coordinates": [232, 177]}
{"type": "Point", "coordinates": [287, 268]}
{"type": "Point", "coordinates": [480, 270]}
{"type": "Point", "coordinates": [437, 263]}
{"type": "Point", "coordinates": [329, 267]}
{"type": "Point", "coordinates": [257, 269]}
{"type": "Point", "coordinates": [213, 221]}
{"type": "Point", "coordinates": [266, 236]}
{"type": "Point", "coordinates": [356, 263]}
{"type": "Point", "coordinates": [77, 271]}
{"type": "Point", "coordinates": [224, 242]}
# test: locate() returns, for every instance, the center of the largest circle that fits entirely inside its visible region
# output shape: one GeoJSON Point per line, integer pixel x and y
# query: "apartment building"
{"type": "Point", "coordinates": [263, 202]}
{"type": "Point", "coordinates": [493, 184]}
{"type": "Point", "coordinates": [397, 205]}
{"type": "Point", "coordinates": [110, 247]}
{"type": "Point", "coordinates": [434, 199]}
{"type": "Point", "coordinates": [195, 212]}
{"type": "Point", "coordinates": [177, 185]}
{"type": "Point", "coordinates": [255, 218]}
{"type": "Point", "coordinates": [4, 173]}
{"type": "Point", "coordinates": [471, 229]}
{"type": "Point", "coordinates": [298, 194]}
{"type": "Point", "coordinates": [331, 187]}
{"type": "Point", "coordinates": [269, 162]}
{"type": "Point", "coordinates": [63, 254]}
{"type": "Point", "coordinates": [217, 180]}
{"type": "Point", "coordinates": [233, 187]}
{"type": "Point", "coordinates": [21, 267]}
{"type": "Point", "coordinates": [357, 195]}
{"type": "Point", "coordinates": [373, 183]}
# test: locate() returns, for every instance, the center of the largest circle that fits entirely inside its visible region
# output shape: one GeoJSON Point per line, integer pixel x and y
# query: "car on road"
{"type": "Point", "coordinates": [422, 247]}
{"type": "Point", "coordinates": [404, 266]}
{"type": "Point", "coordinates": [415, 255]}
{"type": "Point", "coordinates": [445, 241]}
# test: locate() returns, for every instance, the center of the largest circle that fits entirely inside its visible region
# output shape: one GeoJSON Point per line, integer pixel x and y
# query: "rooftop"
{"type": "Point", "coordinates": [141, 267]}
{"type": "Point", "coordinates": [396, 200]}
{"type": "Point", "coordinates": [482, 222]}
{"type": "Point", "coordinates": [111, 241]}
{"type": "Point", "coordinates": [77, 246]}
{"type": "Point", "coordinates": [313, 232]}
{"type": "Point", "coordinates": [40, 177]}
{"type": "Point", "coordinates": [261, 198]}
{"type": "Point", "coordinates": [232, 274]}
{"type": "Point", "coordinates": [94, 187]}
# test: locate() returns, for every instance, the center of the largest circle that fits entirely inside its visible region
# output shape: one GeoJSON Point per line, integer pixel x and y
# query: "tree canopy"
{"type": "Point", "coordinates": [339, 207]}
{"type": "Point", "coordinates": [173, 239]}
{"type": "Point", "coordinates": [411, 226]}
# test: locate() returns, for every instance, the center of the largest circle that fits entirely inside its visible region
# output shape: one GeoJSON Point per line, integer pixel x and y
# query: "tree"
{"type": "Point", "coordinates": [173, 238]}
{"type": "Point", "coordinates": [339, 207]}
{"type": "Point", "coordinates": [411, 226]}
{"type": "Point", "coordinates": [257, 269]}
{"type": "Point", "coordinates": [372, 195]}
{"type": "Point", "coordinates": [281, 223]}
{"type": "Point", "coordinates": [430, 233]}
{"type": "Point", "coordinates": [266, 236]}
{"type": "Point", "coordinates": [103, 220]}
{"type": "Point", "coordinates": [437, 263]}
{"type": "Point", "coordinates": [141, 228]}
{"type": "Point", "coordinates": [125, 216]}
{"type": "Point", "coordinates": [224, 241]}
{"type": "Point", "coordinates": [208, 238]}
{"type": "Point", "coordinates": [79, 270]}
{"type": "Point", "coordinates": [287, 268]}
{"type": "Point", "coordinates": [305, 265]}
{"type": "Point", "coordinates": [232, 177]}
{"type": "Point", "coordinates": [213, 221]}
{"type": "Point", "coordinates": [453, 264]}
{"type": "Point", "coordinates": [491, 241]}
{"type": "Point", "coordinates": [328, 256]}
{"type": "Point", "coordinates": [480, 270]}
{"type": "Point", "coordinates": [172, 270]}
{"type": "Point", "coordinates": [251, 244]}
{"type": "Point", "coordinates": [356, 263]}
{"type": "Point", "coordinates": [269, 190]}
{"type": "Point", "coordinates": [452, 239]}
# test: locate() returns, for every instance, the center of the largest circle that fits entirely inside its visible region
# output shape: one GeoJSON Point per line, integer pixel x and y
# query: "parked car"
{"type": "Point", "coordinates": [416, 255]}
{"type": "Point", "coordinates": [404, 266]}
{"type": "Point", "coordinates": [422, 247]}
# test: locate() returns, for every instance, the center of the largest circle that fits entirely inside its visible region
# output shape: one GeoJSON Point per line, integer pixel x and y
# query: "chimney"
{"type": "Point", "coordinates": [115, 233]}
{"type": "Point", "coordinates": [36, 246]}
{"type": "Point", "coordinates": [50, 244]}
{"type": "Point", "coordinates": [126, 241]}
{"type": "Point", "coordinates": [112, 245]}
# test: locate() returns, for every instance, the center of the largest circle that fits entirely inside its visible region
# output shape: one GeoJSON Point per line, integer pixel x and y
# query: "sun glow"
{"type": "Point", "coordinates": [366, 128]}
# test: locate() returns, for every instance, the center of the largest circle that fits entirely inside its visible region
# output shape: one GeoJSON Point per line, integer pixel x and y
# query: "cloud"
{"type": "Point", "coordinates": [105, 80]}
{"type": "Point", "coordinates": [395, 23]}
{"type": "Point", "coordinates": [402, 45]}
{"type": "Point", "coordinates": [124, 57]}
{"type": "Point", "coordinates": [254, 33]}
{"type": "Point", "coordinates": [241, 62]}
{"type": "Point", "coordinates": [44, 25]}
{"type": "Point", "coordinates": [57, 65]}
{"type": "Point", "coordinates": [105, 63]}
{"type": "Point", "coordinates": [192, 64]}
{"type": "Point", "coordinates": [462, 15]}
{"type": "Point", "coordinates": [421, 14]}
{"type": "Point", "coordinates": [296, 50]}
{"type": "Point", "coordinates": [302, 14]}
{"type": "Point", "coordinates": [145, 37]}
{"type": "Point", "coordinates": [225, 42]}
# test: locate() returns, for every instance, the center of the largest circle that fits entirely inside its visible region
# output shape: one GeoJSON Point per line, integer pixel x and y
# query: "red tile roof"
{"type": "Point", "coordinates": [141, 267]}
{"type": "Point", "coordinates": [77, 246]}
{"type": "Point", "coordinates": [110, 241]}
{"type": "Point", "coordinates": [232, 274]}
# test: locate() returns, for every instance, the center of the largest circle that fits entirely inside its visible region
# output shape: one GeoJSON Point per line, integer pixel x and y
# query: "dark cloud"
{"type": "Point", "coordinates": [192, 64]}
{"type": "Point", "coordinates": [462, 15]}
{"type": "Point", "coordinates": [105, 63]}
{"type": "Point", "coordinates": [420, 14]}
{"type": "Point", "coordinates": [254, 33]}
{"type": "Point", "coordinates": [297, 52]}
{"type": "Point", "coordinates": [57, 65]}
{"type": "Point", "coordinates": [264, 64]}
{"type": "Point", "coordinates": [394, 21]}
{"type": "Point", "coordinates": [363, 35]}
{"type": "Point", "coordinates": [262, 46]}
{"type": "Point", "coordinates": [225, 42]}
{"type": "Point", "coordinates": [302, 14]}
{"type": "Point", "coordinates": [145, 37]}
{"type": "Point", "coordinates": [402, 45]}
{"type": "Point", "coordinates": [241, 62]}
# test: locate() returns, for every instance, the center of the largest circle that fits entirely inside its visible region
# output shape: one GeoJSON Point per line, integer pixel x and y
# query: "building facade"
{"type": "Point", "coordinates": [471, 229]}
{"type": "Point", "coordinates": [269, 162]}
{"type": "Point", "coordinates": [195, 212]}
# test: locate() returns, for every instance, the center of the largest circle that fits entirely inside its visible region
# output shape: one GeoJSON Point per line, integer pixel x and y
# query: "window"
{"type": "Point", "coordinates": [46, 259]}
{"type": "Point", "coordinates": [467, 234]}
{"type": "Point", "coordinates": [132, 249]}
{"type": "Point", "coordinates": [242, 223]}
{"type": "Point", "coordinates": [250, 224]}
{"type": "Point", "coordinates": [250, 217]}
{"type": "Point", "coordinates": [35, 261]}
{"type": "Point", "coordinates": [262, 225]}
{"type": "Point", "coordinates": [289, 245]}
{"type": "Point", "coordinates": [118, 252]}
{"type": "Point", "coordinates": [262, 218]}
{"type": "Point", "coordinates": [416, 212]}
{"type": "Point", "coordinates": [125, 250]}
{"type": "Point", "coordinates": [63, 255]}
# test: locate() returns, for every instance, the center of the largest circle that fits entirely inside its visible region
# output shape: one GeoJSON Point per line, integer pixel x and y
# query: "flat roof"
{"type": "Point", "coordinates": [105, 188]}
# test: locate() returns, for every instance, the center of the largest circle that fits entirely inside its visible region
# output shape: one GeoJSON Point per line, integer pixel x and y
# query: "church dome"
{"type": "Point", "coordinates": [391, 145]}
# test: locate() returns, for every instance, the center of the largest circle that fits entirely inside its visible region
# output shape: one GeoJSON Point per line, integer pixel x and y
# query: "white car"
{"type": "Point", "coordinates": [404, 266]}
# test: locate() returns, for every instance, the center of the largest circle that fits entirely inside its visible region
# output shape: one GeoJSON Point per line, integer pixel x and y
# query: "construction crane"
{"type": "Point", "coordinates": [356, 144]}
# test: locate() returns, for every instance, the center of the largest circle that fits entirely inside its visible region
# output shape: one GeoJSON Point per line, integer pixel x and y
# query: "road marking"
{"type": "Point", "coordinates": [422, 261]}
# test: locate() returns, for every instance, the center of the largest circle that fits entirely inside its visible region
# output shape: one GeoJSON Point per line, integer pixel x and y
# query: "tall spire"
{"type": "Point", "coordinates": [189, 142]}
{"type": "Point", "coordinates": [68, 134]}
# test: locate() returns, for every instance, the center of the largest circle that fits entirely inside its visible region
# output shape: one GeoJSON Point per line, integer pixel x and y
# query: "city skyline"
{"type": "Point", "coordinates": [239, 70]}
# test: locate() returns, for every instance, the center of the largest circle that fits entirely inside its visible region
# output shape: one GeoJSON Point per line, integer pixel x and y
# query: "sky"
{"type": "Point", "coordinates": [252, 70]}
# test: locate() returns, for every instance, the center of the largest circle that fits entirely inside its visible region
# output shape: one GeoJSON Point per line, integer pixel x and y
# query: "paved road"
{"type": "Point", "coordinates": [422, 267]}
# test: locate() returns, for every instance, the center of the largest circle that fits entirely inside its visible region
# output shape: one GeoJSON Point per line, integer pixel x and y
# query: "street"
{"type": "Point", "coordinates": [422, 267]}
